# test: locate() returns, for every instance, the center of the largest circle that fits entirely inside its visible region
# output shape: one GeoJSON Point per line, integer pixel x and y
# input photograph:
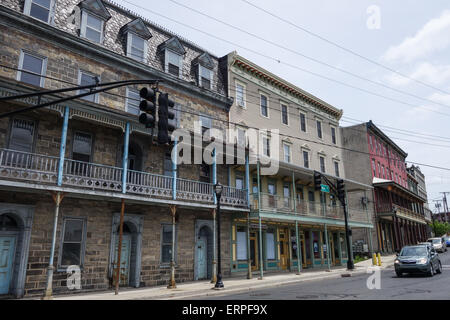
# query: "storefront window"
{"type": "Point", "coordinates": [270, 245]}
{"type": "Point", "coordinates": [294, 244]}
{"type": "Point", "coordinates": [241, 239]}
{"type": "Point", "coordinates": [308, 245]}
{"type": "Point", "coordinates": [316, 245]}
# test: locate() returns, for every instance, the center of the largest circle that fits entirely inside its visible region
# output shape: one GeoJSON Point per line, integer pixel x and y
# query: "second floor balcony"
{"type": "Point", "coordinates": [275, 204]}
{"type": "Point", "coordinates": [42, 169]}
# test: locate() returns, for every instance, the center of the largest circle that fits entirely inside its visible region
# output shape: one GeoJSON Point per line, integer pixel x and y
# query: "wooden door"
{"type": "Point", "coordinates": [284, 248]}
{"type": "Point", "coordinates": [124, 259]}
{"type": "Point", "coordinates": [202, 258]}
{"type": "Point", "coordinates": [254, 251]}
{"type": "Point", "coordinates": [7, 246]}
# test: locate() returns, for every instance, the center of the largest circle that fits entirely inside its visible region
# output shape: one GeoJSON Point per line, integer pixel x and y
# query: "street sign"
{"type": "Point", "coordinates": [324, 188]}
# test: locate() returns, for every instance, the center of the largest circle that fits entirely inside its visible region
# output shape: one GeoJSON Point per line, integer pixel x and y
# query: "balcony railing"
{"type": "Point", "coordinates": [285, 205]}
{"type": "Point", "coordinates": [18, 165]}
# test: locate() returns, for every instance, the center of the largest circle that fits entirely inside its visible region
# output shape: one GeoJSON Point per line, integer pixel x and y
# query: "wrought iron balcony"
{"type": "Point", "coordinates": [18, 165]}
{"type": "Point", "coordinates": [285, 205]}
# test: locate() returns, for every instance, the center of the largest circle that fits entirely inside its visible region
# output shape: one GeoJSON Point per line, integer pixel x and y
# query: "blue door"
{"type": "Point", "coordinates": [6, 262]}
{"type": "Point", "coordinates": [124, 259]}
{"type": "Point", "coordinates": [202, 259]}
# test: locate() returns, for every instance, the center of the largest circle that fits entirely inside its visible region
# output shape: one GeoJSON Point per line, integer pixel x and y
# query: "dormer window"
{"type": "Point", "coordinates": [91, 27]}
{"type": "Point", "coordinates": [93, 17]}
{"type": "Point", "coordinates": [205, 77]}
{"type": "Point", "coordinates": [173, 56]}
{"type": "Point", "coordinates": [136, 47]}
{"type": "Point", "coordinates": [174, 63]}
{"type": "Point", "coordinates": [136, 35]}
{"type": "Point", "coordinates": [39, 9]}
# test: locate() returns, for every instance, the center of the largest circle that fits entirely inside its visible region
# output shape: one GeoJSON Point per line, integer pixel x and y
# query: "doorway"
{"type": "Point", "coordinates": [303, 248]}
{"type": "Point", "coordinates": [204, 253]}
{"type": "Point", "coordinates": [124, 273]}
{"type": "Point", "coordinates": [254, 251]}
{"type": "Point", "coordinates": [284, 248]}
{"type": "Point", "coordinates": [332, 251]}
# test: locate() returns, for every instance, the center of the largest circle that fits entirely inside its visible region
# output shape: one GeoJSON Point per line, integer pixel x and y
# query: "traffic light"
{"type": "Point", "coordinates": [340, 190]}
{"type": "Point", "coordinates": [148, 106]}
{"type": "Point", "coordinates": [317, 181]}
{"type": "Point", "coordinates": [166, 118]}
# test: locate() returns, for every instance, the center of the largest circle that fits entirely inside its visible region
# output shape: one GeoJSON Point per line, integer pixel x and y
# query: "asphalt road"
{"type": "Point", "coordinates": [408, 287]}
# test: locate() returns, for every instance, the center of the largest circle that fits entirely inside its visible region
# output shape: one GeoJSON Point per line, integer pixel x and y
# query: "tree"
{"type": "Point", "coordinates": [440, 228]}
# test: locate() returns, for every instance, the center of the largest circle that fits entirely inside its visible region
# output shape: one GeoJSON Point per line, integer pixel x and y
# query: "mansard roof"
{"type": "Point", "coordinates": [173, 44]}
{"type": "Point", "coordinates": [138, 27]}
{"type": "Point", "coordinates": [96, 7]}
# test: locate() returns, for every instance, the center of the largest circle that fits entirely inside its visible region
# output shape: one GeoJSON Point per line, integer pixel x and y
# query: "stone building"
{"type": "Point", "coordinates": [371, 157]}
{"type": "Point", "coordinates": [64, 164]}
{"type": "Point", "coordinates": [286, 212]}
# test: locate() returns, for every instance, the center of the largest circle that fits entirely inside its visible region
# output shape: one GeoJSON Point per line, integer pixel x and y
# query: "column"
{"type": "Point", "coordinates": [249, 260]}
{"type": "Point", "coordinates": [125, 158]}
{"type": "Point", "coordinates": [260, 228]}
{"type": "Point", "coordinates": [299, 250]}
{"type": "Point", "coordinates": [174, 168]}
{"type": "Point", "coordinates": [172, 284]}
{"type": "Point", "coordinates": [62, 148]}
{"type": "Point", "coordinates": [214, 263]}
{"type": "Point", "coordinates": [328, 247]}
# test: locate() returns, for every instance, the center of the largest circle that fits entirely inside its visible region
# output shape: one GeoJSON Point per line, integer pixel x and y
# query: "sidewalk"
{"type": "Point", "coordinates": [235, 285]}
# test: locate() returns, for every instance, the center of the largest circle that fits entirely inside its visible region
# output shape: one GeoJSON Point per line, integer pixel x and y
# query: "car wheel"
{"type": "Point", "coordinates": [439, 269]}
{"type": "Point", "coordinates": [399, 274]}
{"type": "Point", "coordinates": [431, 272]}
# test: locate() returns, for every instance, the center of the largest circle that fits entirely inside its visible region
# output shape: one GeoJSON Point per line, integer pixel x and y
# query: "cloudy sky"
{"type": "Point", "coordinates": [411, 37]}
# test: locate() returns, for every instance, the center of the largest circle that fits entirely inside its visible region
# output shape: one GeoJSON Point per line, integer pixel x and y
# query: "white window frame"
{"type": "Point", "coordinates": [200, 68]}
{"type": "Point", "coordinates": [243, 104]}
{"type": "Point", "coordinates": [127, 91]}
{"type": "Point", "coordinates": [27, 10]}
{"type": "Point", "coordinates": [321, 129]}
{"type": "Point", "coordinates": [96, 95]}
{"type": "Point", "coordinates": [84, 15]}
{"type": "Point", "coordinates": [166, 61]}
{"type": "Point", "coordinates": [324, 164]}
{"type": "Point", "coordinates": [130, 36]}
{"type": "Point", "coordinates": [267, 105]}
{"type": "Point", "coordinates": [338, 173]}
{"type": "Point", "coordinates": [300, 121]}
{"type": "Point", "coordinates": [285, 144]}
{"type": "Point", "coordinates": [265, 144]}
{"type": "Point", "coordinates": [335, 135]}
{"type": "Point", "coordinates": [287, 113]}
{"type": "Point", "coordinates": [303, 157]}
{"type": "Point", "coordinates": [43, 68]}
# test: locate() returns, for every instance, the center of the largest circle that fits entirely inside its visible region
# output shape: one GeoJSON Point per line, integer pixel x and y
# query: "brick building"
{"type": "Point", "coordinates": [66, 160]}
{"type": "Point", "coordinates": [398, 212]}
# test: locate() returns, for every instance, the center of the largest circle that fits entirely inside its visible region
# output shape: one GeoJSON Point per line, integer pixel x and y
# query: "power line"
{"type": "Point", "coordinates": [342, 47]}
{"type": "Point", "coordinates": [308, 57]}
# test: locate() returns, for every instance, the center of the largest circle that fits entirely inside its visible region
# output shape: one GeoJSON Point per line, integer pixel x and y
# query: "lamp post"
{"type": "Point", "coordinates": [218, 191]}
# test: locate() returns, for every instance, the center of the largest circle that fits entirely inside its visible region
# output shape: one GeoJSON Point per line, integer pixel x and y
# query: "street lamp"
{"type": "Point", "coordinates": [218, 191]}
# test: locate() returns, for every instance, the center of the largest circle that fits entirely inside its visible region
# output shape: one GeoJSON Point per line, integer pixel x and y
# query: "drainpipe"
{"type": "Point", "coordinates": [62, 149]}
{"type": "Point", "coordinates": [122, 210]}
{"type": "Point", "coordinates": [260, 227]}
{"type": "Point", "coordinates": [57, 197]}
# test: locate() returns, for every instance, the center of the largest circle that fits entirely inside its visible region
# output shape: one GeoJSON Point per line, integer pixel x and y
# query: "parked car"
{"type": "Point", "coordinates": [438, 244]}
{"type": "Point", "coordinates": [428, 244]}
{"type": "Point", "coordinates": [418, 259]}
{"type": "Point", "coordinates": [447, 240]}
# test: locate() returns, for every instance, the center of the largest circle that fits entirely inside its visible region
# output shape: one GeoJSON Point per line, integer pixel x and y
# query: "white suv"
{"type": "Point", "coordinates": [437, 244]}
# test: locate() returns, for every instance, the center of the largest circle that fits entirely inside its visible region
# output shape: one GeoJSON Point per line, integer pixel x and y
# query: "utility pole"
{"type": "Point", "coordinates": [444, 201]}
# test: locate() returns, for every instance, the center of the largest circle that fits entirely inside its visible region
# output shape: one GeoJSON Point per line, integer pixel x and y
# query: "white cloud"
{"type": "Point", "coordinates": [440, 97]}
{"type": "Point", "coordinates": [427, 72]}
{"type": "Point", "coordinates": [432, 37]}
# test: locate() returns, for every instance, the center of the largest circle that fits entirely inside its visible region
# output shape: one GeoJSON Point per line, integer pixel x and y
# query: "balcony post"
{"type": "Point", "coordinates": [48, 295]}
{"type": "Point", "coordinates": [249, 260]}
{"type": "Point", "coordinates": [299, 250]}
{"type": "Point", "coordinates": [247, 179]}
{"type": "Point", "coordinates": [126, 141]}
{"type": "Point", "coordinates": [293, 194]}
{"type": "Point", "coordinates": [174, 169]}
{"type": "Point", "coordinates": [260, 227]}
{"type": "Point", "coordinates": [328, 247]}
{"type": "Point", "coordinates": [369, 230]}
{"type": "Point", "coordinates": [214, 173]}
{"type": "Point", "coordinates": [62, 148]}
{"type": "Point", "coordinates": [172, 284]}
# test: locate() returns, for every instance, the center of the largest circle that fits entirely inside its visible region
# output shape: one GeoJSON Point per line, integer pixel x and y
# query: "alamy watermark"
{"type": "Point", "coordinates": [373, 22]}
{"type": "Point", "coordinates": [73, 277]}
{"type": "Point", "coordinates": [374, 280]}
